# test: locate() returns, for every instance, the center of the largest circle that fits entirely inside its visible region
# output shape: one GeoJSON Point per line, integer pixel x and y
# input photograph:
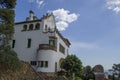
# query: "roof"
{"type": "Point", "coordinates": [67, 42]}
{"type": "Point", "coordinates": [31, 11]}
{"type": "Point", "coordinates": [44, 17]}
{"type": "Point", "coordinates": [28, 21]}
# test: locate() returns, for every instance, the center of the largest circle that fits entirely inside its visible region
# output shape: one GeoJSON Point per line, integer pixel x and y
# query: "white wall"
{"type": "Point", "coordinates": [21, 37]}
{"type": "Point", "coordinates": [38, 37]}
{"type": "Point", "coordinates": [50, 56]}
{"type": "Point", "coordinates": [50, 22]}
{"type": "Point", "coordinates": [61, 55]}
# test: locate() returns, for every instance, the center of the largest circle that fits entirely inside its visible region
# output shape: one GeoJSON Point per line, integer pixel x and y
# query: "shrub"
{"type": "Point", "coordinates": [78, 78]}
{"type": "Point", "coordinates": [8, 58]}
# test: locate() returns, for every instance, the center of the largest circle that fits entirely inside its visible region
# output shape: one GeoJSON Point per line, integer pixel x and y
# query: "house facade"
{"type": "Point", "coordinates": [38, 42]}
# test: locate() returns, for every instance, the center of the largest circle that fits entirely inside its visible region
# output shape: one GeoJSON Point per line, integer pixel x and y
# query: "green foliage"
{"type": "Point", "coordinates": [72, 64]}
{"type": "Point", "coordinates": [88, 73]}
{"type": "Point", "coordinates": [116, 69]}
{"type": "Point", "coordinates": [7, 4]}
{"type": "Point", "coordinates": [78, 78]}
{"type": "Point", "coordinates": [7, 26]}
{"type": "Point", "coordinates": [8, 58]}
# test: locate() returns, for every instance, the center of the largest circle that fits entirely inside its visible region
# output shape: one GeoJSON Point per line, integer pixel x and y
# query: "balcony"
{"type": "Point", "coordinates": [47, 47]}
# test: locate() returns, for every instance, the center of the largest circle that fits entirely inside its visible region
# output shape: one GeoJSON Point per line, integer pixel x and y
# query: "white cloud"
{"type": "Point", "coordinates": [64, 17]}
{"type": "Point", "coordinates": [38, 2]}
{"type": "Point", "coordinates": [61, 25]}
{"type": "Point", "coordinates": [113, 5]}
{"type": "Point", "coordinates": [116, 9]}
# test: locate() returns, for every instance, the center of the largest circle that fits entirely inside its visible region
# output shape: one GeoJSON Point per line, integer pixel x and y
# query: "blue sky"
{"type": "Point", "coordinates": [92, 26]}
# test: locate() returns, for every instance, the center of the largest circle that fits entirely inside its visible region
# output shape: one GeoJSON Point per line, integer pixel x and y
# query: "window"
{"type": "Point", "coordinates": [55, 66]}
{"type": "Point", "coordinates": [34, 63]}
{"type": "Point", "coordinates": [61, 49]}
{"type": "Point", "coordinates": [31, 27]}
{"type": "Point", "coordinates": [46, 63]}
{"type": "Point", "coordinates": [46, 27]}
{"type": "Point", "coordinates": [37, 26]}
{"type": "Point", "coordinates": [29, 43]}
{"type": "Point", "coordinates": [39, 63]}
{"type": "Point", "coordinates": [24, 27]}
{"type": "Point", "coordinates": [52, 41]}
{"type": "Point", "coordinates": [13, 44]}
{"type": "Point", "coordinates": [43, 64]}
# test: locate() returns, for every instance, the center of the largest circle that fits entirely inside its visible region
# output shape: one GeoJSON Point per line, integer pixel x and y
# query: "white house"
{"type": "Point", "coordinates": [38, 42]}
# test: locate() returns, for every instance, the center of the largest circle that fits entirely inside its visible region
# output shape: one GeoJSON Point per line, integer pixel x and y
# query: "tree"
{"type": "Point", "coordinates": [88, 73]}
{"type": "Point", "coordinates": [72, 64]}
{"type": "Point", "coordinates": [7, 24]}
{"type": "Point", "coordinates": [7, 3]}
{"type": "Point", "coordinates": [8, 58]}
{"type": "Point", "coordinates": [116, 69]}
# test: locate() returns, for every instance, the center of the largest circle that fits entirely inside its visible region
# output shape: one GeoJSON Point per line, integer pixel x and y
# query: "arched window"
{"type": "Point", "coordinates": [46, 27]}
{"type": "Point", "coordinates": [24, 27]}
{"type": "Point", "coordinates": [31, 27]}
{"type": "Point", "coordinates": [37, 26]}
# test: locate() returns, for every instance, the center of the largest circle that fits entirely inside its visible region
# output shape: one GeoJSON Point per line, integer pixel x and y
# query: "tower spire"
{"type": "Point", "coordinates": [31, 16]}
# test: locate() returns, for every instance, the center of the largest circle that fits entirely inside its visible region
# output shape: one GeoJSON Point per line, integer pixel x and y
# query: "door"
{"type": "Point", "coordinates": [55, 66]}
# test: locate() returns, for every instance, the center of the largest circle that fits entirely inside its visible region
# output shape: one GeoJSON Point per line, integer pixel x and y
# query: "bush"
{"type": "Point", "coordinates": [78, 78]}
{"type": "Point", "coordinates": [8, 58]}
{"type": "Point", "coordinates": [72, 64]}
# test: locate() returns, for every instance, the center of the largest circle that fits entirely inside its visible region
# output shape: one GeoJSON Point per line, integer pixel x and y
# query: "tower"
{"type": "Point", "coordinates": [31, 16]}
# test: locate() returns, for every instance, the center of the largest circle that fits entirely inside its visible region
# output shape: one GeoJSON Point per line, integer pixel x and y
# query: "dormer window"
{"type": "Point", "coordinates": [31, 27]}
{"type": "Point", "coordinates": [24, 28]}
{"type": "Point", "coordinates": [37, 26]}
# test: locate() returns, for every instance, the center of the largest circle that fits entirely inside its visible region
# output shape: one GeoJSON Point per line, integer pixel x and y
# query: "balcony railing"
{"type": "Point", "coordinates": [47, 47]}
